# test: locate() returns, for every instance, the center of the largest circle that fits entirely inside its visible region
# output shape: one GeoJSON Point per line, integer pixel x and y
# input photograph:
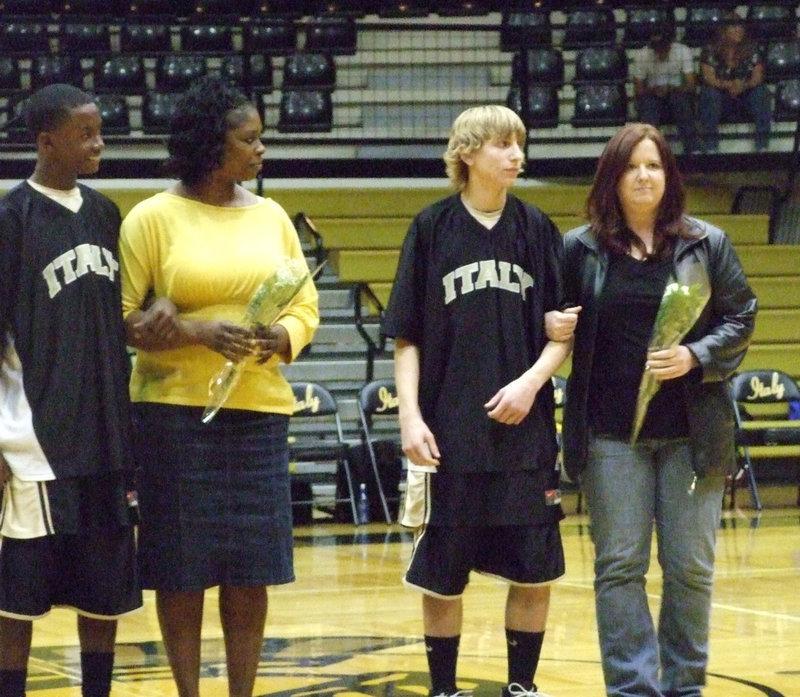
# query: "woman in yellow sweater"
{"type": "Point", "coordinates": [215, 501]}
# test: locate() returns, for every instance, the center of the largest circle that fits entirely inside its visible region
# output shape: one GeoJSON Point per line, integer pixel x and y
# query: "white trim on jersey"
{"type": "Point", "coordinates": [18, 441]}
{"type": "Point", "coordinates": [25, 513]}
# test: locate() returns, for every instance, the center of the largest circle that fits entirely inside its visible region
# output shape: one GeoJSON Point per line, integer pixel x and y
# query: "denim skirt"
{"type": "Point", "coordinates": [215, 498]}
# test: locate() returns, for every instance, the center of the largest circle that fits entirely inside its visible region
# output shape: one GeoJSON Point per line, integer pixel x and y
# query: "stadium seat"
{"type": "Point", "coordinates": [331, 34]}
{"type": "Point", "coordinates": [519, 30]}
{"type": "Point", "coordinates": [787, 100]}
{"type": "Point", "coordinates": [782, 60]}
{"type": "Point", "coordinates": [702, 23]}
{"type": "Point", "coordinates": [206, 38]}
{"type": "Point", "coordinates": [538, 65]}
{"type": "Point", "coordinates": [640, 22]}
{"type": "Point", "coordinates": [175, 72]}
{"type": "Point", "coordinates": [536, 104]}
{"type": "Point", "coordinates": [114, 112]}
{"type": "Point", "coordinates": [774, 20]}
{"type": "Point", "coordinates": [14, 127]}
{"type": "Point", "coordinates": [9, 73]}
{"type": "Point", "coordinates": [275, 36]}
{"type": "Point", "coordinates": [82, 38]}
{"type": "Point", "coordinates": [145, 38]}
{"type": "Point", "coordinates": [257, 78]}
{"type": "Point", "coordinates": [48, 69]}
{"type": "Point", "coordinates": [588, 27]}
{"type": "Point", "coordinates": [120, 73]}
{"type": "Point", "coordinates": [157, 111]}
{"type": "Point", "coordinates": [308, 110]}
{"type": "Point", "coordinates": [314, 70]}
{"type": "Point", "coordinates": [600, 105]}
{"type": "Point", "coordinates": [601, 64]}
{"type": "Point", "coordinates": [24, 37]}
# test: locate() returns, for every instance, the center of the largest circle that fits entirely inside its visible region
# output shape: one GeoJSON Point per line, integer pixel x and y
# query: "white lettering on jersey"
{"type": "Point", "coordinates": [74, 263]}
{"type": "Point", "coordinates": [488, 273]}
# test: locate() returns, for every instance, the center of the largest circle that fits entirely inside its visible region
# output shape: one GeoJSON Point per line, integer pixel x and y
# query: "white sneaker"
{"type": "Point", "coordinates": [459, 693]}
{"type": "Point", "coordinates": [516, 690]}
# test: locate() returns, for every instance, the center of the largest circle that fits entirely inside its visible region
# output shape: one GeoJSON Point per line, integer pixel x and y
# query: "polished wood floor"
{"type": "Point", "coordinates": [347, 626]}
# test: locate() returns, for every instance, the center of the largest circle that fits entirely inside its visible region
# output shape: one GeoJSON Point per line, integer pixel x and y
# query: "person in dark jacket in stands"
{"type": "Point", "coordinates": [618, 266]}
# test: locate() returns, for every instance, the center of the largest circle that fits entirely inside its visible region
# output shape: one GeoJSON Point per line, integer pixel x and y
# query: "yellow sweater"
{"type": "Point", "coordinates": [209, 260]}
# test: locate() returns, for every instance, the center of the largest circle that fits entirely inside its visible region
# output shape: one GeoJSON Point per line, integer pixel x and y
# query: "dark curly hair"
{"type": "Point", "coordinates": [203, 115]}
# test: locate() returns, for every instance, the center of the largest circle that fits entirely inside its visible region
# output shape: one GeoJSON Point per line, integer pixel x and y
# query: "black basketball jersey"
{"type": "Point", "coordinates": [64, 407]}
{"type": "Point", "coordinates": [473, 301]}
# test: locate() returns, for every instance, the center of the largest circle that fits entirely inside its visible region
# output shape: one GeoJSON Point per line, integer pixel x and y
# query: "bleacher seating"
{"type": "Point", "coordinates": [398, 84]}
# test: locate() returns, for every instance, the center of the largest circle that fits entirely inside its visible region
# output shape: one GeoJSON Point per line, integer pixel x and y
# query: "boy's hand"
{"type": "Point", "coordinates": [158, 325]}
{"type": "Point", "coordinates": [511, 404]}
{"type": "Point", "coordinates": [418, 443]}
{"type": "Point", "coordinates": [560, 326]}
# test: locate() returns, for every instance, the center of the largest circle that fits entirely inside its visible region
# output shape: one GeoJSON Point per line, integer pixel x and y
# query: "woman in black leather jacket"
{"type": "Point", "coordinates": [617, 267]}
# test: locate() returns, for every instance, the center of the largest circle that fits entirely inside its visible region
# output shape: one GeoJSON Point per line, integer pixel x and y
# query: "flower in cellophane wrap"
{"type": "Point", "coordinates": [266, 304]}
{"type": "Point", "coordinates": [680, 307]}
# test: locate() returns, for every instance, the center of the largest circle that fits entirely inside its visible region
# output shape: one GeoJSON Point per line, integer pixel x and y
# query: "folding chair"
{"type": "Point", "coordinates": [317, 449]}
{"type": "Point", "coordinates": [376, 400]}
{"type": "Point", "coordinates": [772, 391]}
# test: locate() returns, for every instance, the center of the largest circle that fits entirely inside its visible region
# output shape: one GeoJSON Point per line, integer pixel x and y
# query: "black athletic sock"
{"type": "Point", "coordinates": [442, 655]}
{"type": "Point", "coordinates": [96, 670]}
{"type": "Point", "coordinates": [12, 683]}
{"type": "Point", "coordinates": [524, 649]}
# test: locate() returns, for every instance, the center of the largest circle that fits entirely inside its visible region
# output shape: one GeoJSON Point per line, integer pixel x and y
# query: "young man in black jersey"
{"type": "Point", "coordinates": [66, 535]}
{"type": "Point", "coordinates": [473, 366]}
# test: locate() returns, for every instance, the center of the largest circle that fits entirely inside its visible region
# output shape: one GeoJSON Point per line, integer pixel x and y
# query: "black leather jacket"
{"type": "Point", "coordinates": [719, 340]}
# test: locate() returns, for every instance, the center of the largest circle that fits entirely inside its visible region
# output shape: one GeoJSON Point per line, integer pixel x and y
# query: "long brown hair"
{"type": "Point", "coordinates": [603, 207]}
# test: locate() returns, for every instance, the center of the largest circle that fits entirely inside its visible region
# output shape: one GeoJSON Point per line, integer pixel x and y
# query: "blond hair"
{"type": "Point", "coordinates": [474, 127]}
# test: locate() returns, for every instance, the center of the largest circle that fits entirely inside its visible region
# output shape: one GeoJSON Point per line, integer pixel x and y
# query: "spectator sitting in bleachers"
{"type": "Point", "coordinates": [664, 81]}
{"type": "Point", "coordinates": [732, 71]}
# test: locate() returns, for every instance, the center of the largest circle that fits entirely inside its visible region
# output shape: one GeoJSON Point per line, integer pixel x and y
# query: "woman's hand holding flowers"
{"type": "Point", "coordinates": [226, 337]}
{"type": "Point", "coordinates": [268, 341]}
{"type": "Point", "coordinates": [670, 363]}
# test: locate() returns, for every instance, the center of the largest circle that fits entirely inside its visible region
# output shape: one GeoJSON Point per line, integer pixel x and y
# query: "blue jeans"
{"type": "Point", "coordinates": [627, 490]}
{"type": "Point", "coordinates": [712, 103]}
